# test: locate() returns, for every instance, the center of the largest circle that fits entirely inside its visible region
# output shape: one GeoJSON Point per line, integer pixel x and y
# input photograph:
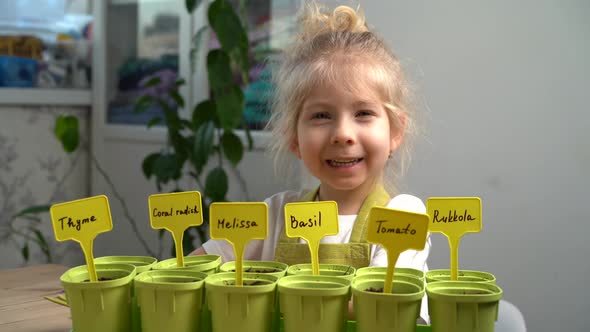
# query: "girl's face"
{"type": "Point", "coordinates": [344, 139]}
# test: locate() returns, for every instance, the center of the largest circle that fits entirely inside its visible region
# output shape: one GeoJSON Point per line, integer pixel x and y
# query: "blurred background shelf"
{"type": "Point", "coordinates": [34, 96]}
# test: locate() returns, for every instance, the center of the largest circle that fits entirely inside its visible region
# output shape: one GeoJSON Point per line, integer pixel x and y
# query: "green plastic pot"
{"type": "Point", "coordinates": [247, 308]}
{"type": "Point", "coordinates": [103, 305]}
{"type": "Point", "coordinates": [170, 300]}
{"type": "Point", "coordinates": [335, 270]}
{"type": "Point", "coordinates": [142, 264]}
{"type": "Point", "coordinates": [463, 275]}
{"type": "Point", "coordinates": [396, 271]}
{"type": "Point", "coordinates": [313, 303]}
{"type": "Point", "coordinates": [386, 312]}
{"type": "Point", "coordinates": [380, 277]}
{"type": "Point", "coordinates": [201, 263]}
{"type": "Point", "coordinates": [463, 306]}
{"type": "Point", "coordinates": [277, 269]}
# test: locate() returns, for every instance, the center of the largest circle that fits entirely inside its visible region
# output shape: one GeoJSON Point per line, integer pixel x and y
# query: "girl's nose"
{"type": "Point", "coordinates": [343, 133]}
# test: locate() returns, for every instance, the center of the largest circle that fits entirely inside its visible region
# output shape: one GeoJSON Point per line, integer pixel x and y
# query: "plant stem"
{"type": "Point", "coordinates": [123, 205]}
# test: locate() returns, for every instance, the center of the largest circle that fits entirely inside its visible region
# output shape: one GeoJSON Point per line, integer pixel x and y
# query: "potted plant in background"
{"type": "Point", "coordinates": [205, 143]}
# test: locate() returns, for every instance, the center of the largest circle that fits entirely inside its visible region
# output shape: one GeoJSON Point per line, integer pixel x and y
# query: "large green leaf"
{"type": "Point", "coordinates": [66, 131]}
{"type": "Point", "coordinates": [180, 145]}
{"type": "Point", "coordinates": [203, 112]}
{"type": "Point", "coordinates": [196, 43]}
{"type": "Point", "coordinates": [203, 146]}
{"type": "Point", "coordinates": [152, 82]}
{"type": "Point", "coordinates": [154, 121]}
{"type": "Point", "coordinates": [228, 28]}
{"type": "Point", "coordinates": [232, 147]}
{"type": "Point", "coordinates": [191, 5]}
{"type": "Point", "coordinates": [148, 164]}
{"type": "Point", "coordinates": [33, 210]}
{"type": "Point", "coordinates": [142, 103]}
{"type": "Point", "coordinates": [166, 168]}
{"type": "Point", "coordinates": [219, 70]}
{"type": "Point", "coordinates": [229, 105]}
{"type": "Point", "coordinates": [216, 184]}
{"type": "Point", "coordinates": [172, 119]}
{"type": "Point", "coordinates": [177, 97]}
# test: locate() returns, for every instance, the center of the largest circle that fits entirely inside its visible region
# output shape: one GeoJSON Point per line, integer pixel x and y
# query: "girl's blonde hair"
{"type": "Point", "coordinates": [336, 48]}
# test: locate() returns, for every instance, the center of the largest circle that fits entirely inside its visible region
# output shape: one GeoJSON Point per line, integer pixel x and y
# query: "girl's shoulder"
{"type": "Point", "coordinates": [406, 202]}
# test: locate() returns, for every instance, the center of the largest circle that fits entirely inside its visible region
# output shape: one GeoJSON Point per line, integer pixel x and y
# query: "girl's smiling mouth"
{"type": "Point", "coordinates": [343, 162]}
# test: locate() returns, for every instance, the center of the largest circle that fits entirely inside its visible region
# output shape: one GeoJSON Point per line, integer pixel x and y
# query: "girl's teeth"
{"type": "Point", "coordinates": [343, 162]}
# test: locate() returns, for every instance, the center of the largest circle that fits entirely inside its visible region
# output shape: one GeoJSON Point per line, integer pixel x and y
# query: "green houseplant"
{"type": "Point", "coordinates": [205, 143]}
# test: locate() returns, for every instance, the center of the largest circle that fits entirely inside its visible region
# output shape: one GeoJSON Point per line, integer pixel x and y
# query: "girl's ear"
{"type": "Point", "coordinates": [397, 132]}
{"type": "Point", "coordinates": [294, 147]}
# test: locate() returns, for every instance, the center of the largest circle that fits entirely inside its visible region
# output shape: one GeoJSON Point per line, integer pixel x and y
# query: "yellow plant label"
{"type": "Point", "coordinates": [238, 223]}
{"type": "Point", "coordinates": [312, 221]}
{"type": "Point", "coordinates": [397, 230]}
{"type": "Point", "coordinates": [454, 215]}
{"type": "Point", "coordinates": [81, 220]}
{"type": "Point", "coordinates": [175, 211]}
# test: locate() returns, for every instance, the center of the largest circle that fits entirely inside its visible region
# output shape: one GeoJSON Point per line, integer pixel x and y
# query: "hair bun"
{"type": "Point", "coordinates": [345, 18]}
{"type": "Point", "coordinates": [314, 21]}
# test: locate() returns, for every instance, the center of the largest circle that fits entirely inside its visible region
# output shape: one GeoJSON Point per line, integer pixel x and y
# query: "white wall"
{"type": "Point", "coordinates": [502, 83]}
{"type": "Point", "coordinates": [35, 170]}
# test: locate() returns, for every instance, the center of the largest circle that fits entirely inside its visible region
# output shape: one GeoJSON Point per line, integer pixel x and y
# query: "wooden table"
{"type": "Point", "coordinates": [22, 306]}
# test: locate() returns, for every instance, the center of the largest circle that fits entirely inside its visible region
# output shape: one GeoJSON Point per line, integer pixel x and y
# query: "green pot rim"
{"type": "Point", "coordinates": [383, 269]}
{"type": "Point", "coordinates": [228, 266]}
{"type": "Point", "coordinates": [153, 279]}
{"type": "Point", "coordinates": [448, 291]}
{"type": "Point", "coordinates": [296, 284]}
{"type": "Point", "coordinates": [481, 276]}
{"type": "Point", "coordinates": [197, 262]}
{"type": "Point", "coordinates": [381, 277]}
{"type": "Point", "coordinates": [216, 282]}
{"type": "Point", "coordinates": [76, 276]}
{"type": "Point", "coordinates": [406, 290]}
{"type": "Point", "coordinates": [142, 263]}
{"type": "Point", "coordinates": [306, 269]}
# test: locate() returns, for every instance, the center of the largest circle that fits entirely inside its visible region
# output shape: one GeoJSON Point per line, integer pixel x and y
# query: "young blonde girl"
{"type": "Point", "coordinates": [341, 108]}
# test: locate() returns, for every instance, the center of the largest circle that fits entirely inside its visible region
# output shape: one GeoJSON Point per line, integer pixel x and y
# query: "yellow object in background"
{"type": "Point", "coordinates": [81, 220]}
{"type": "Point", "coordinates": [238, 223]}
{"type": "Point", "coordinates": [396, 231]}
{"type": "Point", "coordinates": [454, 216]}
{"type": "Point", "coordinates": [176, 212]}
{"type": "Point", "coordinates": [312, 221]}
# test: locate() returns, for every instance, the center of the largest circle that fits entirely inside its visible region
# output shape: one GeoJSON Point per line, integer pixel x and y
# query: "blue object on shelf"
{"type": "Point", "coordinates": [17, 72]}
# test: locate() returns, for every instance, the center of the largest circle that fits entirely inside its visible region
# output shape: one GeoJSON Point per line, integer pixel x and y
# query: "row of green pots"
{"type": "Point", "coordinates": [155, 296]}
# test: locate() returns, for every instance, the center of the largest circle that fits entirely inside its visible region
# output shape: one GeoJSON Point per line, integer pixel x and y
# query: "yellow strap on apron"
{"type": "Point", "coordinates": [355, 253]}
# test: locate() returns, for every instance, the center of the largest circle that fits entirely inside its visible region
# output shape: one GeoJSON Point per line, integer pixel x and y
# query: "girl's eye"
{"type": "Point", "coordinates": [320, 115]}
{"type": "Point", "coordinates": [364, 113]}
